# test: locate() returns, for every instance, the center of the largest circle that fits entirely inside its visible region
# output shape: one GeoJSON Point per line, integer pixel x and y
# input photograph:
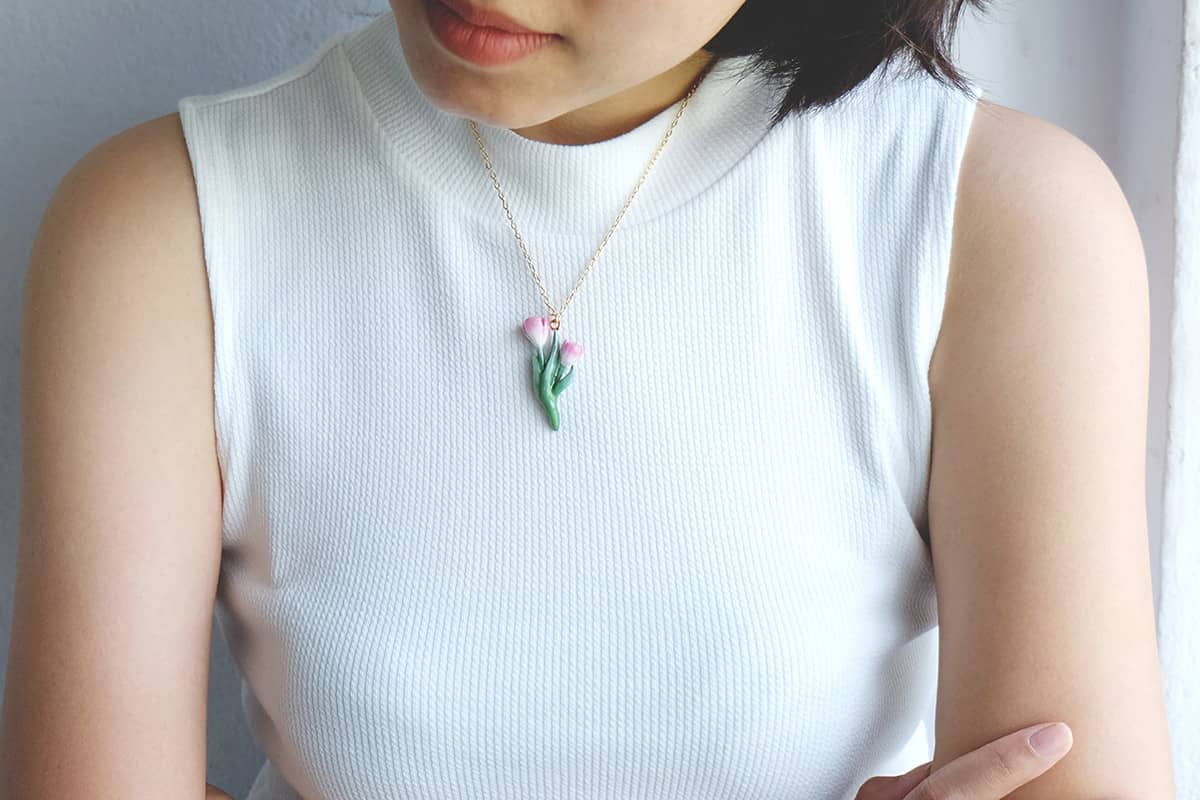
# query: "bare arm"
{"type": "Point", "coordinates": [1037, 494]}
{"type": "Point", "coordinates": [120, 505]}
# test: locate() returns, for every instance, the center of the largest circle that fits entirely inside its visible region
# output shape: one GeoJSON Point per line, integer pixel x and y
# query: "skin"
{"type": "Point", "coordinates": [1037, 497]}
{"type": "Point", "coordinates": [1037, 494]}
{"type": "Point", "coordinates": [990, 772]}
{"type": "Point", "coordinates": [119, 543]}
{"type": "Point", "coordinates": [615, 64]}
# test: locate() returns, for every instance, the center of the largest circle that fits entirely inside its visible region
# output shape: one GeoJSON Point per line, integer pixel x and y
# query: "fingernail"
{"type": "Point", "coordinates": [1051, 741]}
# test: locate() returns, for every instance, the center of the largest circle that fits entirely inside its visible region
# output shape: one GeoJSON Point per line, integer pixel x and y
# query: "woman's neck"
{"type": "Point", "coordinates": [621, 112]}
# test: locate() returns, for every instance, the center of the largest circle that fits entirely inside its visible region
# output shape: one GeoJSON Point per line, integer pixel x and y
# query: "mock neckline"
{"type": "Point", "coordinates": [564, 189]}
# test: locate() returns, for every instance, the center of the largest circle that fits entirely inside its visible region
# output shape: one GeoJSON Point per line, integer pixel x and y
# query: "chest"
{"type": "Point", "coordinates": [710, 566]}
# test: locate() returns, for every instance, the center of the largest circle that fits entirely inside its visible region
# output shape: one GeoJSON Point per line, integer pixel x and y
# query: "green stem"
{"type": "Point", "coordinates": [550, 403]}
{"type": "Point", "coordinates": [546, 379]}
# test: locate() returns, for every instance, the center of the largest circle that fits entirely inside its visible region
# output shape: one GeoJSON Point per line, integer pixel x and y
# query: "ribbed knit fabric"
{"type": "Point", "coordinates": [713, 581]}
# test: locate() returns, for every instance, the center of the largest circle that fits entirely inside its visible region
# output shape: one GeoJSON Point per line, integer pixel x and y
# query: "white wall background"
{"type": "Point", "coordinates": [72, 74]}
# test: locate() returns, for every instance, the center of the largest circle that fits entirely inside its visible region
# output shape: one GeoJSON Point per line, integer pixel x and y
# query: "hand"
{"type": "Point", "coordinates": [213, 793]}
{"type": "Point", "coordinates": [989, 773]}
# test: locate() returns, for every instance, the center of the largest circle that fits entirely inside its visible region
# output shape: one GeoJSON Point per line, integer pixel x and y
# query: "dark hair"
{"type": "Point", "coordinates": [822, 49]}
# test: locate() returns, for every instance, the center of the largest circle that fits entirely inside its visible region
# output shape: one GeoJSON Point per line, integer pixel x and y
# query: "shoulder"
{"type": "Point", "coordinates": [125, 215]}
{"type": "Point", "coordinates": [117, 285]}
{"type": "Point", "coordinates": [117, 279]}
{"type": "Point", "coordinates": [1040, 225]}
{"type": "Point", "coordinates": [140, 173]}
{"type": "Point", "coordinates": [1011, 155]}
{"type": "Point", "coordinates": [148, 161]}
{"type": "Point", "coordinates": [293, 82]}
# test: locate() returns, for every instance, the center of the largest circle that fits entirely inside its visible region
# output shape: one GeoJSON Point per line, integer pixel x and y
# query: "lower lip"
{"type": "Point", "coordinates": [483, 46]}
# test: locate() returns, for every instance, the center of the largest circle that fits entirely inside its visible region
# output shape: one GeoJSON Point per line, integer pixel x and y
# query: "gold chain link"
{"type": "Point", "coordinates": [556, 314]}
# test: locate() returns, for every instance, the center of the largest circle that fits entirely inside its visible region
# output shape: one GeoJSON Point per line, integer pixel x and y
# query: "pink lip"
{"type": "Point", "coordinates": [488, 18]}
{"type": "Point", "coordinates": [482, 44]}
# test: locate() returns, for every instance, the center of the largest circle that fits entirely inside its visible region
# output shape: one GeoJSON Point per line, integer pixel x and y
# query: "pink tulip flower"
{"type": "Point", "coordinates": [537, 330]}
{"type": "Point", "coordinates": [570, 352]}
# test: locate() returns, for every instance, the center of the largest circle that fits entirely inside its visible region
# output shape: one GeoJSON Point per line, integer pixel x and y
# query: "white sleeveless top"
{"type": "Point", "coordinates": [713, 581]}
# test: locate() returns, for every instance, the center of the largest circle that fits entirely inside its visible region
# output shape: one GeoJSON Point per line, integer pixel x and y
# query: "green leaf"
{"type": "Point", "coordinates": [551, 366]}
{"type": "Point", "coordinates": [563, 382]}
{"type": "Point", "coordinates": [537, 369]}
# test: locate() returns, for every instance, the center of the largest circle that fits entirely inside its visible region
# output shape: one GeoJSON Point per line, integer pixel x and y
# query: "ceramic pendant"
{"type": "Point", "coordinates": [552, 370]}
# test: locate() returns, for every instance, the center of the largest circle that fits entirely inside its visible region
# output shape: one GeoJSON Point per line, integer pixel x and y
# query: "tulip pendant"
{"type": "Point", "coordinates": [553, 369]}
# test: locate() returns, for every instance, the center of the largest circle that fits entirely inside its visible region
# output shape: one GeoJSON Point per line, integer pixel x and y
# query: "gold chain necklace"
{"type": "Point", "coordinates": [549, 377]}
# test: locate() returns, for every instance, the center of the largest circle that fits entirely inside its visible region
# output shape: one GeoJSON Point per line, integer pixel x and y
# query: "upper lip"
{"type": "Point", "coordinates": [486, 17]}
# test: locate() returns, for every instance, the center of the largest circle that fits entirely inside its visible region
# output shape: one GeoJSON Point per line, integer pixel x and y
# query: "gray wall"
{"type": "Point", "coordinates": [72, 74]}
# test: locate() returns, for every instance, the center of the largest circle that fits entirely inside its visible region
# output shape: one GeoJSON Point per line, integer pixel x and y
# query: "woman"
{"type": "Point", "coordinates": [480, 520]}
